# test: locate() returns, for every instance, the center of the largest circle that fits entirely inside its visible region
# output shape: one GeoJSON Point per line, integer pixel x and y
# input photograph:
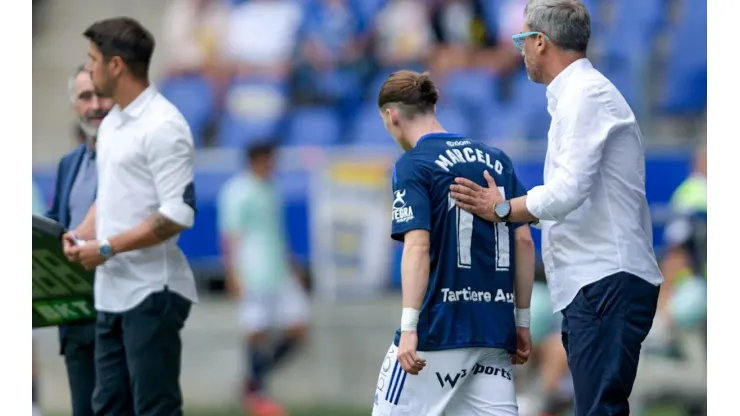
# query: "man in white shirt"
{"type": "Point", "coordinates": [144, 287]}
{"type": "Point", "coordinates": [596, 227]}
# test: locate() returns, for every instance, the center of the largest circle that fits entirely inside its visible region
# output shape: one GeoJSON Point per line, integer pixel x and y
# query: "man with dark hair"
{"type": "Point", "coordinates": [259, 274]}
{"type": "Point", "coordinates": [74, 193]}
{"type": "Point", "coordinates": [144, 286]}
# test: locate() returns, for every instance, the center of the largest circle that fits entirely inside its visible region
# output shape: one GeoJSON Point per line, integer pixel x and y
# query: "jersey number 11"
{"type": "Point", "coordinates": [464, 229]}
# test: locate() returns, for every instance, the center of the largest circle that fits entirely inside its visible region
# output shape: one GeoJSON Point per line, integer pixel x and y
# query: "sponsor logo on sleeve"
{"type": "Point", "coordinates": [402, 212]}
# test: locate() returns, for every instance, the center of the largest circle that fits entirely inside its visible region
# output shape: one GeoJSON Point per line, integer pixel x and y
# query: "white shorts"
{"type": "Point", "coordinates": [460, 382]}
{"type": "Point", "coordinates": [281, 309]}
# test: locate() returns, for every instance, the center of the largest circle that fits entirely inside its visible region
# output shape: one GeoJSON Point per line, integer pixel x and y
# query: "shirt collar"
{"type": "Point", "coordinates": [137, 106]}
{"type": "Point", "coordinates": [438, 135]}
{"type": "Point", "coordinates": [560, 82]}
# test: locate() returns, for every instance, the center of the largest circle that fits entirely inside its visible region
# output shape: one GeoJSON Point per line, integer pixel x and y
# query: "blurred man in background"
{"type": "Point", "coordinates": [74, 194]}
{"type": "Point", "coordinates": [259, 275]}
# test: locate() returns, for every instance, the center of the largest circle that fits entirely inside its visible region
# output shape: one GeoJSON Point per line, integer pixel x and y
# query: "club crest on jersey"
{"type": "Point", "coordinates": [401, 212]}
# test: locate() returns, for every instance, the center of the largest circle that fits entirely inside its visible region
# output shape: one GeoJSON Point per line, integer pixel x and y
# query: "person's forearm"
{"type": "Point", "coordinates": [519, 212]}
{"type": "Point", "coordinates": [524, 263]}
{"type": "Point", "coordinates": [86, 229]}
{"type": "Point", "coordinates": [414, 275]}
{"type": "Point", "coordinates": [154, 230]}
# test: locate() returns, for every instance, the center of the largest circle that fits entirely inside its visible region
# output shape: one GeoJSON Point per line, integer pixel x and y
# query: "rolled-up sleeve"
{"type": "Point", "coordinates": [170, 157]}
{"type": "Point", "coordinates": [585, 123]}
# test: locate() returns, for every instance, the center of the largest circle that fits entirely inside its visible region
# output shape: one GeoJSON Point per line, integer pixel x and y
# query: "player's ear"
{"type": "Point", "coordinates": [393, 117]}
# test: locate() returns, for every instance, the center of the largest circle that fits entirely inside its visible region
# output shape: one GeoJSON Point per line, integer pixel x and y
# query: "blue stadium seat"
{"type": "Point", "coordinates": [455, 120]}
{"type": "Point", "coordinates": [473, 91]}
{"type": "Point", "coordinates": [316, 126]}
{"type": "Point", "coordinates": [368, 9]}
{"type": "Point", "coordinates": [630, 78]}
{"type": "Point", "coordinates": [634, 26]}
{"type": "Point", "coordinates": [686, 67]}
{"type": "Point", "coordinates": [368, 128]}
{"type": "Point", "coordinates": [194, 96]}
{"type": "Point", "coordinates": [529, 117]}
{"type": "Point", "coordinates": [254, 111]}
{"type": "Point", "coordinates": [499, 123]}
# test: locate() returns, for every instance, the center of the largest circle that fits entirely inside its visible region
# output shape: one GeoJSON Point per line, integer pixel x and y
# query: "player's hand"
{"type": "Point", "coordinates": [68, 243]}
{"type": "Point", "coordinates": [476, 199]}
{"type": "Point", "coordinates": [88, 255]}
{"type": "Point", "coordinates": [523, 346]}
{"type": "Point", "coordinates": [410, 362]}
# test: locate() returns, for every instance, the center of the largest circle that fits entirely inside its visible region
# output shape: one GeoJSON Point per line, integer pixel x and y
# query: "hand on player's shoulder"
{"type": "Point", "coordinates": [476, 199]}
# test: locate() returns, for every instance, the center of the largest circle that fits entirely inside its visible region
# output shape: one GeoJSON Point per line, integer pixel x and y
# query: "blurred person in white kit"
{"type": "Point", "coordinates": [274, 307]}
{"type": "Point", "coordinates": [144, 287]}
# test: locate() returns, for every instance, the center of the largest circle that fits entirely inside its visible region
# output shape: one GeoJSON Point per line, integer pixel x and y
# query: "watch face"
{"type": "Point", "coordinates": [502, 209]}
{"type": "Point", "coordinates": [105, 251]}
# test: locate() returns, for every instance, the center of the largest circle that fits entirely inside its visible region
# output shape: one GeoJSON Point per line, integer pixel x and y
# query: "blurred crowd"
{"type": "Point", "coordinates": [308, 71]}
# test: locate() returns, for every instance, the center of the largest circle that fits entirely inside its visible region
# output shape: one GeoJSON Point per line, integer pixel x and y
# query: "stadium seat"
{"type": "Point", "coordinates": [254, 111]}
{"type": "Point", "coordinates": [316, 126]}
{"type": "Point", "coordinates": [472, 91]}
{"type": "Point", "coordinates": [368, 128]}
{"type": "Point", "coordinates": [685, 77]}
{"type": "Point", "coordinates": [194, 96]}
{"type": "Point", "coordinates": [630, 78]}
{"type": "Point", "coordinates": [455, 120]}
{"type": "Point", "coordinates": [498, 123]}
{"type": "Point", "coordinates": [368, 9]}
{"type": "Point", "coordinates": [634, 26]}
{"type": "Point", "coordinates": [529, 117]}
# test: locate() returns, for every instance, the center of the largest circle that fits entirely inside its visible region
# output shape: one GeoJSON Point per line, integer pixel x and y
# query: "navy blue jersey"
{"type": "Point", "coordinates": [470, 298]}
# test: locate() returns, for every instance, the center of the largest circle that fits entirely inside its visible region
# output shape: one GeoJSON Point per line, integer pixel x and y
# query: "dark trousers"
{"type": "Point", "coordinates": [603, 331]}
{"type": "Point", "coordinates": [137, 358]}
{"type": "Point", "coordinates": [78, 347]}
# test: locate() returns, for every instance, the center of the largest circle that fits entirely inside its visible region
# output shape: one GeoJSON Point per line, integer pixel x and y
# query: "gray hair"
{"type": "Point", "coordinates": [71, 82]}
{"type": "Point", "coordinates": [566, 22]}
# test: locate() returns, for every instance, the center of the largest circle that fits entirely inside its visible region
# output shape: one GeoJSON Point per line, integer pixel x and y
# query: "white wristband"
{"type": "Point", "coordinates": [409, 319]}
{"type": "Point", "coordinates": [522, 318]}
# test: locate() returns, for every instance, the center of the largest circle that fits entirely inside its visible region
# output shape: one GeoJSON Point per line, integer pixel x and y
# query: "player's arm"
{"type": "Point", "coordinates": [524, 277]}
{"type": "Point", "coordinates": [415, 268]}
{"type": "Point", "coordinates": [411, 224]}
{"type": "Point", "coordinates": [169, 150]}
{"type": "Point", "coordinates": [587, 126]}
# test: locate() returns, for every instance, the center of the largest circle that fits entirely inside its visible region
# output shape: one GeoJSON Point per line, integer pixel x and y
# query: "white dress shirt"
{"type": "Point", "coordinates": [592, 208]}
{"type": "Point", "coordinates": [145, 165]}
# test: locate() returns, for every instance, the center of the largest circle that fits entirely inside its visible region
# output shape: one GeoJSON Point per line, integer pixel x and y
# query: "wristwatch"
{"type": "Point", "coordinates": [502, 210]}
{"type": "Point", "coordinates": [105, 249]}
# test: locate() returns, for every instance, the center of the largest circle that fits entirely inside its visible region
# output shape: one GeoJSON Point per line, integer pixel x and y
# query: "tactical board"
{"type": "Point", "coordinates": [62, 291]}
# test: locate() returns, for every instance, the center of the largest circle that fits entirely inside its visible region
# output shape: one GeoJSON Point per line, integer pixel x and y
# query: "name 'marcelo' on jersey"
{"type": "Point", "coordinates": [470, 297]}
